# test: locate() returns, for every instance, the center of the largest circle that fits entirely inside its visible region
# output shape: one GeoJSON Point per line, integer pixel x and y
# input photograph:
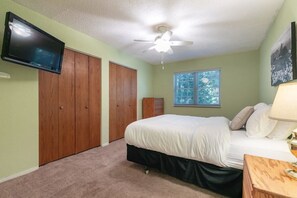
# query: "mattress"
{"type": "Point", "coordinates": [198, 138]}
{"type": "Point", "coordinates": [264, 147]}
{"type": "Point", "coordinates": [202, 139]}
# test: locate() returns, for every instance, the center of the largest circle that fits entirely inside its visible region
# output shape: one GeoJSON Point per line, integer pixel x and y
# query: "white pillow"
{"type": "Point", "coordinates": [260, 106]}
{"type": "Point", "coordinates": [282, 130]}
{"type": "Point", "coordinates": [259, 124]}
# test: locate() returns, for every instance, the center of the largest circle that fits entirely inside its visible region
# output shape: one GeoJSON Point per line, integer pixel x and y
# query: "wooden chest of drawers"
{"type": "Point", "coordinates": [152, 107]}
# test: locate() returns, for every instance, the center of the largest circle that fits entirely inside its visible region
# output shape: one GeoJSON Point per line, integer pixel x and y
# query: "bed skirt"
{"type": "Point", "coordinates": [223, 180]}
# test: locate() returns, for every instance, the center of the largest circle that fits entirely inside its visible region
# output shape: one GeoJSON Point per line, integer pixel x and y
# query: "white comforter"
{"type": "Point", "coordinates": [198, 138]}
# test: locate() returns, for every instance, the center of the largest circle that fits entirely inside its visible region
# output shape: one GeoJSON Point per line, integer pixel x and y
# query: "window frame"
{"type": "Point", "coordinates": [196, 90]}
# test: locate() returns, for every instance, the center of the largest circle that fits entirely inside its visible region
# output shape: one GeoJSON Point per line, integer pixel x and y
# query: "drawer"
{"type": "Point", "coordinates": [159, 112]}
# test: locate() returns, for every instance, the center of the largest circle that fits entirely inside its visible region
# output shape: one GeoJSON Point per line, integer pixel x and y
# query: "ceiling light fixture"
{"type": "Point", "coordinates": [162, 45]}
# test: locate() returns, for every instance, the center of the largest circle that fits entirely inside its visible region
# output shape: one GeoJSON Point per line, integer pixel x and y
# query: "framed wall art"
{"type": "Point", "coordinates": [283, 57]}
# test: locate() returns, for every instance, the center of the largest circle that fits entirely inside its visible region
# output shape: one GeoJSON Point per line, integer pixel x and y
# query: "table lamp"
{"type": "Point", "coordinates": [284, 108]}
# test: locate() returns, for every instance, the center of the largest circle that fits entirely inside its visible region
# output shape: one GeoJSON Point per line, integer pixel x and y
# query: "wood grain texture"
{"type": "Point", "coordinates": [112, 102]}
{"type": "Point", "coordinates": [70, 107]}
{"type": "Point", "coordinates": [82, 102]}
{"type": "Point", "coordinates": [267, 178]}
{"type": "Point", "coordinates": [123, 99]}
{"type": "Point", "coordinates": [120, 115]}
{"type": "Point", "coordinates": [247, 184]}
{"type": "Point", "coordinates": [127, 96]}
{"type": "Point", "coordinates": [48, 117]}
{"type": "Point", "coordinates": [152, 107]}
{"type": "Point", "coordinates": [130, 97]}
{"type": "Point", "coordinates": [95, 101]}
{"type": "Point", "coordinates": [66, 106]}
{"type": "Point", "coordinates": [133, 101]}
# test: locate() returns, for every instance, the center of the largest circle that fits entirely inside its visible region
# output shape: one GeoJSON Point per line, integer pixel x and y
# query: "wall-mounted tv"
{"type": "Point", "coordinates": [26, 44]}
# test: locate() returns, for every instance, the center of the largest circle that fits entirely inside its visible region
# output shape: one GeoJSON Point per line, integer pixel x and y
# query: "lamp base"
{"type": "Point", "coordinates": [291, 173]}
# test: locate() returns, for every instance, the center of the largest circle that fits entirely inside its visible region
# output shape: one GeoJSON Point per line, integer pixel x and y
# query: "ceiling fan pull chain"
{"type": "Point", "coordinates": [162, 61]}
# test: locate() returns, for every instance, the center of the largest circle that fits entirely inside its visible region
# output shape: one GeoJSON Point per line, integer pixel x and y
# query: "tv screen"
{"type": "Point", "coordinates": [26, 44]}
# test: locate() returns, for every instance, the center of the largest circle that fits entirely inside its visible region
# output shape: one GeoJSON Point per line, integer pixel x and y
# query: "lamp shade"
{"type": "Point", "coordinates": [284, 106]}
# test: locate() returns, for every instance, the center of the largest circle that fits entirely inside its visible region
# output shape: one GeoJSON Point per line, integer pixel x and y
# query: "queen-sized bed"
{"type": "Point", "coordinates": [202, 151]}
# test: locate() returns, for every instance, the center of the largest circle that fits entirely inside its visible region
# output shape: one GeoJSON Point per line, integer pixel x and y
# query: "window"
{"type": "Point", "coordinates": [199, 88]}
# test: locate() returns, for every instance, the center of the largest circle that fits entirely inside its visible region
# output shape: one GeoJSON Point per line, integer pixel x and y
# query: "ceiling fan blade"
{"type": "Point", "coordinates": [166, 35]}
{"type": "Point", "coordinates": [144, 41]}
{"type": "Point", "coordinates": [151, 48]}
{"type": "Point", "coordinates": [181, 43]}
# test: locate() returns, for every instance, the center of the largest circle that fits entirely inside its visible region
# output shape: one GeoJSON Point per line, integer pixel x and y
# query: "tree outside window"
{"type": "Point", "coordinates": [199, 88]}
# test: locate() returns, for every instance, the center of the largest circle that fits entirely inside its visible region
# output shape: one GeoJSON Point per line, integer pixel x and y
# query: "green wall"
{"type": "Point", "coordinates": [19, 95]}
{"type": "Point", "coordinates": [245, 81]}
{"type": "Point", "coordinates": [239, 83]}
{"type": "Point", "coordinates": [287, 14]}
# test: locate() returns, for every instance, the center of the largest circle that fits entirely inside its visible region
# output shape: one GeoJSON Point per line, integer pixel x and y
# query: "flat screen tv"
{"type": "Point", "coordinates": [26, 44]}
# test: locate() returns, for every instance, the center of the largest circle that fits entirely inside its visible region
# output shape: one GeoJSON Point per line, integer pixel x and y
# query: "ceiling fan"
{"type": "Point", "coordinates": [162, 43]}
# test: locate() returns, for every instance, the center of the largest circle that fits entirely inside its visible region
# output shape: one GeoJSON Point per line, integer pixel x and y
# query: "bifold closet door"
{"type": "Point", "coordinates": [82, 102]}
{"type": "Point", "coordinates": [112, 102]}
{"type": "Point", "coordinates": [70, 107]}
{"type": "Point", "coordinates": [120, 108]}
{"type": "Point", "coordinates": [130, 88]}
{"type": "Point", "coordinates": [56, 112]}
{"type": "Point", "coordinates": [122, 99]}
{"type": "Point", "coordinates": [94, 101]}
{"type": "Point", "coordinates": [116, 102]}
{"type": "Point", "coordinates": [88, 101]}
{"type": "Point", "coordinates": [66, 106]}
{"type": "Point", "coordinates": [48, 117]}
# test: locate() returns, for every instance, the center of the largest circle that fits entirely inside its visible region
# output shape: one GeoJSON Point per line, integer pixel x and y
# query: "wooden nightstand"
{"type": "Point", "coordinates": [263, 177]}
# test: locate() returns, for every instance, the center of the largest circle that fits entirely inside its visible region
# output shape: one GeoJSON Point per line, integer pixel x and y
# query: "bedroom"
{"type": "Point", "coordinates": [19, 95]}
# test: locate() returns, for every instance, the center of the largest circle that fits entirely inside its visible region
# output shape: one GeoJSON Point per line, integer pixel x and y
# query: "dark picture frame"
{"type": "Point", "coordinates": [283, 57]}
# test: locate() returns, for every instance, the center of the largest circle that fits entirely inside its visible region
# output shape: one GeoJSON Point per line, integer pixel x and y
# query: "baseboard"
{"type": "Point", "coordinates": [105, 144]}
{"type": "Point", "coordinates": [18, 174]}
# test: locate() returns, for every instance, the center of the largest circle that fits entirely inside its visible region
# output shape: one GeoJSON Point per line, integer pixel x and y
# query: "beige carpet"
{"type": "Point", "coordinates": [99, 172]}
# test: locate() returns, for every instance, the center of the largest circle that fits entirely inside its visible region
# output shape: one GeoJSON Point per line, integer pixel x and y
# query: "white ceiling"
{"type": "Point", "coordinates": [215, 26]}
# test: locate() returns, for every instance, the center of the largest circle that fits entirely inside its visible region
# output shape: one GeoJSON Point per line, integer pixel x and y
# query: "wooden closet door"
{"type": "Point", "coordinates": [66, 106]}
{"type": "Point", "coordinates": [112, 102]}
{"type": "Point", "coordinates": [120, 104]}
{"type": "Point", "coordinates": [129, 97]}
{"type": "Point", "coordinates": [122, 99]}
{"type": "Point", "coordinates": [133, 101]}
{"type": "Point", "coordinates": [95, 101]}
{"type": "Point", "coordinates": [48, 117]}
{"type": "Point", "coordinates": [126, 98]}
{"type": "Point", "coordinates": [82, 102]}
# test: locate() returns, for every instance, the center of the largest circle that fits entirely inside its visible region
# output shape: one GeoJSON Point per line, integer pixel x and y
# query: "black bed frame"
{"type": "Point", "coordinates": [223, 180]}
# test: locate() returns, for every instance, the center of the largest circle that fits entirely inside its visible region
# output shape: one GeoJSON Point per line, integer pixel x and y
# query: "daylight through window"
{"type": "Point", "coordinates": [199, 88]}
